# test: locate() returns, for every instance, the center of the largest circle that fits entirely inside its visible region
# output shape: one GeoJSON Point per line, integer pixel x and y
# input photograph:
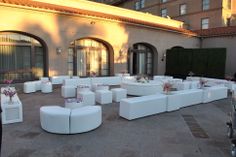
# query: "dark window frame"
{"type": "Point", "coordinates": [11, 74]}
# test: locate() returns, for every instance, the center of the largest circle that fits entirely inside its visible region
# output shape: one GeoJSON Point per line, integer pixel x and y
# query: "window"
{"type": "Point", "coordinates": [141, 60]}
{"type": "Point", "coordinates": [139, 4]}
{"type": "Point", "coordinates": [183, 9]}
{"type": "Point", "coordinates": [142, 3]}
{"type": "Point", "coordinates": [21, 57]}
{"type": "Point", "coordinates": [205, 23]}
{"type": "Point", "coordinates": [205, 4]}
{"type": "Point", "coordinates": [89, 55]}
{"type": "Point", "coordinates": [164, 12]}
{"type": "Point", "coordinates": [163, 1]}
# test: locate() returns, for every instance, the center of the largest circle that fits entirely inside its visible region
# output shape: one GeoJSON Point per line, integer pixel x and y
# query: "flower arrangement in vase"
{"type": "Point", "coordinates": [202, 82]}
{"type": "Point", "coordinates": [93, 74]}
{"type": "Point", "coordinates": [8, 82]}
{"type": "Point", "coordinates": [9, 93]}
{"type": "Point", "coordinates": [167, 87]}
{"type": "Point", "coordinates": [142, 79]}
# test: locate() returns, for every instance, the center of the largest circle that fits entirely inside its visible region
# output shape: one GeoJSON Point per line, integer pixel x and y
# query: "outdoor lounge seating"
{"type": "Point", "coordinates": [58, 79]}
{"type": "Point", "coordinates": [190, 97]}
{"type": "Point", "coordinates": [29, 87]}
{"type": "Point", "coordinates": [141, 89]}
{"type": "Point", "coordinates": [85, 119]}
{"type": "Point", "coordinates": [214, 93]}
{"type": "Point", "coordinates": [60, 120]}
{"type": "Point", "coordinates": [46, 87]}
{"type": "Point", "coordinates": [88, 97]}
{"type": "Point", "coordinates": [55, 119]}
{"type": "Point", "coordinates": [69, 86]}
{"type": "Point", "coordinates": [103, 96]}
{"type": "Point", "coordinates": [132, 108]}
{"type": "Point", "coordinates": [118, 94]}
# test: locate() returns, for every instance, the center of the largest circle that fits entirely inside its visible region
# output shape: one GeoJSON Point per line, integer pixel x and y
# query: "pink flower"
{"type": "Point", "coordinates": [8, 81]}
{"type": "Point", "coordinates": [9, 92]}
{"type": "Point", "coordinates": [167, 87]}
{"type": "Point", "coordinates": [93, 73]}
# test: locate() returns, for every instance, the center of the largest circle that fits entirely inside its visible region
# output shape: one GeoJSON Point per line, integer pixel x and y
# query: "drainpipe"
{"type": "Point", "coordinates": [201, 41]}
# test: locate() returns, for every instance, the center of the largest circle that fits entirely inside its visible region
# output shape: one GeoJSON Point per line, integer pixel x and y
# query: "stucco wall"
{"type": "Point", "coordinates": [59, 30]}
{"type": "Point", "coordinates": [229, 44]}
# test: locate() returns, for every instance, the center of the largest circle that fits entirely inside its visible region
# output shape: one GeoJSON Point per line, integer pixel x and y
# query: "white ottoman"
{"type": "Point", "coordinates": [46, 87]}
{"type": "Point", "coordinates": [85, 119]}
{"type": "Point", "coordinates": [55, 119]}
{"type": "Point", "coordinates": [68, 91]}
{"type": "Point", "coordinates": [104, 96]}
{"type": "Point", "coordinates": [88, 97]}
{"type": "Point", "coordinates": [118, 94]}
{"type": "Point", "coordinates": [37, 85]}
{"type": "Point", "coordinates": [29, 87]}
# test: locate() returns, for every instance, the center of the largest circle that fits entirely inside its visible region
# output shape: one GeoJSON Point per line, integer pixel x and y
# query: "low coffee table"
{"type": "Point", "coordinates": [73, 103]}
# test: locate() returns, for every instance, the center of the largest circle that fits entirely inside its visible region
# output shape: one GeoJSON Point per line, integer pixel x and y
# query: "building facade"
{"type": "Point", "coordinates": [196, 14]}
{"type": "Point", "coordinates": [42, 38]}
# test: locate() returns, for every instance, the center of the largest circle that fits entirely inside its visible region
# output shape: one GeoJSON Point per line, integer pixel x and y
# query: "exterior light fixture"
{"type": "Point", "coordinates": [163, 57]}
{"type": "Point", "coordinates": [58, 50]}
{"type": "Point", "coordinates": [92, 23]}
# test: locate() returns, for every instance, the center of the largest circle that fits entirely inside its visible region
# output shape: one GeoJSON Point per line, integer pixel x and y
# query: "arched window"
{"type": "Point", "coordinates": [89, 55]}
{"type": "Point", "coordinates": [141, 59]}
{"type": "Point", "coordinates": [21, 57]}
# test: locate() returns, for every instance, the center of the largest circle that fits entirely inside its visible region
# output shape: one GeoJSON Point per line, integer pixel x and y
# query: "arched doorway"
{"type": "Point", "coordinates": [90, 55]}
{"type": "Point", "coordinates": [142, 59]}
{"type": "Point", "coordinates": [22, 57]}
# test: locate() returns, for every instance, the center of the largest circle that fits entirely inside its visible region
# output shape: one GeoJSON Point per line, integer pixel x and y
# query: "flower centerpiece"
{"type": "Point", "coordinates": [142, 79]}
{"type": "Point", "coordinates": [228, 78]}
{"type": "Point", "coordinates": [74, 100]}
{"type": "Point", "coordinates": [9, 93]}
{"type": "Point", "coordinates": [8, 82]}
{"type": "Point", "coordinates": [93, 74]}
{"type": "Point", "coordinates": [167, 87]}
{"type": "Point", "coordinates": [202, 82]}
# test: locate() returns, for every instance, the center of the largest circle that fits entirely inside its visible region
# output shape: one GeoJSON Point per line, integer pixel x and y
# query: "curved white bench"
{"type": "Point", "coordinates": [60, 120]}
{"type": "Point", "coordinates": [85, 119]}
{"type": "Point", "coordinates": [55, 119]}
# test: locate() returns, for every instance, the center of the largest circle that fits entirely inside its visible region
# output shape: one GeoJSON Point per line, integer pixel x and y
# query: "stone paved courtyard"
{"type": "Point", "coordinates": [197, 131]}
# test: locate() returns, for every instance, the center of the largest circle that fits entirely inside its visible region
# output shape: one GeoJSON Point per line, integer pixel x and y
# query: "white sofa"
{"type": "Point", "coordinates": [214, 93]}
{"type": "Point", "coordinates": [137, 107]}
{"type": "Point", "coordinates": [141, 89]}
{"type": "Point", "coordinates": [111, 80]}
{"type": "Point", "coordinates": [58, 79]}
{"type": "Point", "coordinates": [190, 97]}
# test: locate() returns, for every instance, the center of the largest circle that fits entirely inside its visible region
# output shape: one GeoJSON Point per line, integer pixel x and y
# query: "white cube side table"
{"type": "Point", "coordinates": [118, 94]}
{"type": "Point", "coordinates": [12, 113]}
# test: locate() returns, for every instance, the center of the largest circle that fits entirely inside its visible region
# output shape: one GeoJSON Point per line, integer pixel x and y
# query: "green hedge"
{"type": "Point", "coordinates": [207, 62]}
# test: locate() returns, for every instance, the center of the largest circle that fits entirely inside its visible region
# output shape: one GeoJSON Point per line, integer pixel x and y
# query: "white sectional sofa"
{"type": "Point", "coordinates": [190, 97]}
{"type": "Point", "coordinates": [214, 93]}
{"type": "Point", "coordinates": [137, 107]}
{"type": "Point", "coordinates": [58, 79]}
{"type": "Point", "coordinates": [111, 80]}
{"type": "Point", "coordinates": [141, 89]}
